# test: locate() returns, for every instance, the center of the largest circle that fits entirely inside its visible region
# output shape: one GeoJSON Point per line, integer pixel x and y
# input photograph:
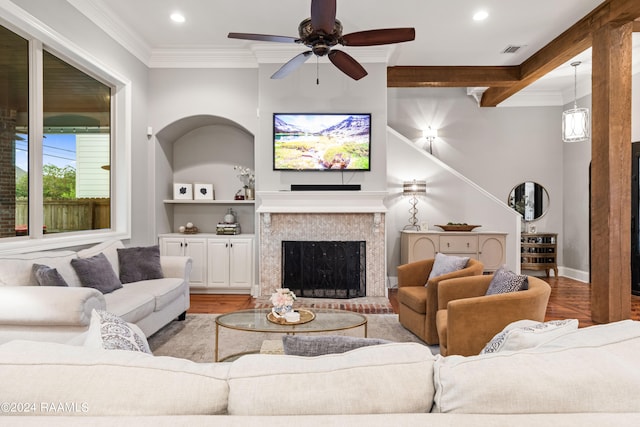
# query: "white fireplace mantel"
{"type": "Point", "coordinates": [321, 201]}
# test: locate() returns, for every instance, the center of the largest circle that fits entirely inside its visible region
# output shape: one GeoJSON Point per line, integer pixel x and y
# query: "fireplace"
{"type": "Point", "coordinates": [321, 216]}
{"type": "Point", "coordinates": [324, 269]}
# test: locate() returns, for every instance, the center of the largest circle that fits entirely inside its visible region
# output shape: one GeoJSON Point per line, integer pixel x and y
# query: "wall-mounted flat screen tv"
{"type": "Point", "coordinates": [321, 141]}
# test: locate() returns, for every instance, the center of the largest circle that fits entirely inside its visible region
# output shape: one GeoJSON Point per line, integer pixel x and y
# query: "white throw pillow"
{"type": "Point", "coordinates": [108, 331]}
{"type": "Point", "coordinates": [525, 334]}
{"type": "Point", "coordinates": [444, 264]}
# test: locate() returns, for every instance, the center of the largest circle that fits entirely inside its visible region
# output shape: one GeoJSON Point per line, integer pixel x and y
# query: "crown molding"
{"type": "Point", "coordinates": [99, 14]}
{"type": "Point", "coordinates": [218, 57]}
{"type": "Point", "coordinates": [202, 58]}
{"type": "Point", "coordinates": [276, 54]}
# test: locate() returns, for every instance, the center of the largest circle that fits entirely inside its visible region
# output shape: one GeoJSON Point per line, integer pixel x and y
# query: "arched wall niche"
{"type": "Point", "coordinates": [202, 149]}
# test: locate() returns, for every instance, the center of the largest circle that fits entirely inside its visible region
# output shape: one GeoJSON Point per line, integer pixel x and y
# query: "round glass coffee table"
{"type": "Point", "coordinates": [255, 320]}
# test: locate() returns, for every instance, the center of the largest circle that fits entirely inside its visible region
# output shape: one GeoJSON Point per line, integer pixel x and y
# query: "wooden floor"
{"type": "Point", "coordinates": [569, 299]}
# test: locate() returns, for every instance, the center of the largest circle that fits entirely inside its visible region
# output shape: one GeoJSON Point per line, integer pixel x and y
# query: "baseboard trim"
{"type": "Point", "coordinates": [572, 273]}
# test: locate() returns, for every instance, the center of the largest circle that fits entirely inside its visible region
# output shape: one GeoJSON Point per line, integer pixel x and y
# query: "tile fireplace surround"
{"type": "Point", "coordinates": [322, 215]}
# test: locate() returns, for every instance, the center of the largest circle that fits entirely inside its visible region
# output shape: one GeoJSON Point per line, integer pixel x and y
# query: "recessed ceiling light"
{"type": "Point", "coordinates": [177, 17]}
{"type": "Point", "coordinates": [481, 15]}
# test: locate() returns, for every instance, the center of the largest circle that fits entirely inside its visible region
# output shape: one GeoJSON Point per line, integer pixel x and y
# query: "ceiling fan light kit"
{"type": "Point", "coordinates": [321, 32]}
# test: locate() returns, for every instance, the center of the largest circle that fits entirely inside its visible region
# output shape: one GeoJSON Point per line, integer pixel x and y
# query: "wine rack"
{"type": "Point", "coordinates": [538, 251]}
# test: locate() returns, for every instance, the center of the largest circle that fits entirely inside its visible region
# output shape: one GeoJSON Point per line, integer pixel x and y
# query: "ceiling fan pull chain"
{"type": "Point", "coordinates": [317, 71]}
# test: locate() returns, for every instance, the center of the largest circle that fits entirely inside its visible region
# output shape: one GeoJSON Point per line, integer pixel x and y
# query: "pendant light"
{"type": "Point", "coordinates": [575, 122]}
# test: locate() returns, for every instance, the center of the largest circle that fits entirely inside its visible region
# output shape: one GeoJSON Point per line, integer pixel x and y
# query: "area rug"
{"type": "Point", "coordinates": [194, 338]}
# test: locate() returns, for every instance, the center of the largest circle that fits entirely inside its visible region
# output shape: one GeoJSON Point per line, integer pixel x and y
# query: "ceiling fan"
{"type": "Point", "coordinates": [321, 32]}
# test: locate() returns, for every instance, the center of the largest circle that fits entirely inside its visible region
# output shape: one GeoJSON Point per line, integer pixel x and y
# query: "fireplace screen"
{"type": "Point", "coordinates": [324, 269]}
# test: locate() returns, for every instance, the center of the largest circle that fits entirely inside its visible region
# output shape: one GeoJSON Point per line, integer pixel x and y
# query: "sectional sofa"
{"type": "Point", "coordinates": [60, 313]}
{"type": "Point", "coordinates": [586, 377]}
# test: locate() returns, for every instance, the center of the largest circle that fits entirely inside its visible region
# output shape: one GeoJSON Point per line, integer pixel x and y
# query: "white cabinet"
{"type": "Point", "coordinates": [220, 263]}
{"type": "Point", "coordinates": [488, 247]}
{"type": "Point", "coordinates": [230, 262]}
{"type": "Point", "coordinates": [194, 247]}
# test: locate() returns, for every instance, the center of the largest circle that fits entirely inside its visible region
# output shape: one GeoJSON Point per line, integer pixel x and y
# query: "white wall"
{"type": "Point", "coordinates": [336, 92]}
{"type": "Point", "coordinates": [575, 231]}
{"type": "Point", "coordinates": [214, 112]}
{"type": "Point", "coordinates": [450, 198]}
{"type": "Point", "coordinates": [497, 148]}
{"type": "Point", "coordinates": [67, 21]}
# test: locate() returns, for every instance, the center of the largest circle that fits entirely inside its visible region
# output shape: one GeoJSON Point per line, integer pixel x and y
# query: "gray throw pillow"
{"type": "Point", "coordinates": [139, 263]}
{"type": "Point", "coordinates": [299, 345]}
{"type": "Point", "coordinates": [444, 264]}
{"type": "Point", "coordinates": [504, 281]}
{"type": "Point", "coordinates": [47, 276]}
{"type": "Point", "coordinates": [96, 272]}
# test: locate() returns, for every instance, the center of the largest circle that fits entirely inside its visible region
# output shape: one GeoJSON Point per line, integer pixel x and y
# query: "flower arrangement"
{"type": "Point", "coordinates": [246, 176]}
{"type": "Point", "coordinates": [282, 299]}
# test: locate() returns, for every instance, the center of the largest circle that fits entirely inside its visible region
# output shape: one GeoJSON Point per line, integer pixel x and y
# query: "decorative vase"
{"type": "Point", "coordinates": [248, 193]}
{"type": "Point", "coordinates": [230, 218]}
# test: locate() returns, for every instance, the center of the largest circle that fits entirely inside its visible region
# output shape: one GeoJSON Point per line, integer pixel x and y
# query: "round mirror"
{"type": "Point", "coordinates": [529, 199]}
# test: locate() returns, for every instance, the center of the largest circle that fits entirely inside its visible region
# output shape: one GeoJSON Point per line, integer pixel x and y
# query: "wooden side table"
{"type": "Point", "coordinates": [538, 251]}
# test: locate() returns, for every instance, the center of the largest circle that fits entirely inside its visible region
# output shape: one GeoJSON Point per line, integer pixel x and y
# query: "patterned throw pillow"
{"type": "Point", "coordinates": [139, 263]}
{"type": "Point", "coordinates": [47, 276]}
{"type": "Point", "coordinates": [300, 345]}
{"type": "Point", "coordinates": [110, 332]}
{"type": "Point", "coordinates": [96, 272]}
{"type": "Point", "coordinates": [504, 281]}
{"type": "Point", "coordinates": [528, 334]}
{"type": "Point", "coordinates": [444, 264]}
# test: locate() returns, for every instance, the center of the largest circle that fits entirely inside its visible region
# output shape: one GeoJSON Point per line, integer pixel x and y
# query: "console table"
{"type": "Point", "coordinates": [538, 251]}
{"type": "Point", "coordinates": [487, 247]}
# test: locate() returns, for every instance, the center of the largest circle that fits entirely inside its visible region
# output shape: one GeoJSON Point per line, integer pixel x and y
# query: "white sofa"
{"type": "Point", "coordinates": [56, 313]}
{"type": "Point", "coordinates": [587, 377]}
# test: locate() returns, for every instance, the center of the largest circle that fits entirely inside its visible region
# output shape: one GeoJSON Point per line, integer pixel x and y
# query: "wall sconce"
{"type": "Point", "coordinates": [413, 189]}
{"type": "Point", "coordinates": [430, 134]}
{"type": "Point", "coordinates": [575, 122]}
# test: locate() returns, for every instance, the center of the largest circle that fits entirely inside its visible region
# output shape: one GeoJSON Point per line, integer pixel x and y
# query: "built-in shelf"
{"type": "Point", "coordinates": [211, 202]}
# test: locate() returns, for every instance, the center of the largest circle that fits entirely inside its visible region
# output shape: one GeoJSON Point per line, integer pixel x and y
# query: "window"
{"type": "Point", "coordinates": [14, 146]}
{"type": "Point", "coordinates": [58, 142]}
{"type": "Point", "coordinates": [75, 149]}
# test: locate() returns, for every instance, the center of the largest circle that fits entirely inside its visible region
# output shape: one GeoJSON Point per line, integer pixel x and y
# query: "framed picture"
{"type": "Point", "coordinates": [203, 191]}
{"type": "Point", "coordinates": [182, 191]}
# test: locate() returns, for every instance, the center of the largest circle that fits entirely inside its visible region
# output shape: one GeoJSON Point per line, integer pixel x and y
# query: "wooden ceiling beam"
{"type": "Point", "coordinates": [462, 76]}
{"type": "Point", "coordinates": [564, 47]}
{"type": "Point", "coordinates": [505, 81]}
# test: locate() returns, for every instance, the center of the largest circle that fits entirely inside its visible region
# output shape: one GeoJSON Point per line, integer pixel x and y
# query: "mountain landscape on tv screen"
{"type": "Point", "coordinates": [321, 142]}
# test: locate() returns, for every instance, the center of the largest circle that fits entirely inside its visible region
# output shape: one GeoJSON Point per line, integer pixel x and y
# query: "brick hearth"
{"type": "Point", "coordinates": [366, 305]}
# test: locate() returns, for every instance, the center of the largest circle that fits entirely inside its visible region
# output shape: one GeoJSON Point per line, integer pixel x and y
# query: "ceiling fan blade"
{"type": "Point", "coordinates": [263, 37]}
{"type": "Point", "coordinates": [323, 15]}
{"type": "Point", "coordinates": [293, 63]}
{"type": "Point", "coordinates": [347, 64]}
{"type": "Point", "coordinates": [378, 37]}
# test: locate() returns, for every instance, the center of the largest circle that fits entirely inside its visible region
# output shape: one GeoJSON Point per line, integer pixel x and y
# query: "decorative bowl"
{"type": "Point", "coordinates": [458, 227]}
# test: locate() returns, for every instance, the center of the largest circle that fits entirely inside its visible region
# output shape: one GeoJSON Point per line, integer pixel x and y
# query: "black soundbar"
{"type": "Point", "coordinates": [325, 187]}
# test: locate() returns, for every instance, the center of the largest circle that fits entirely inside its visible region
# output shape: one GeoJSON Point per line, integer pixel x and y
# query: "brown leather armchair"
{"type": "Point", "coordinates": [418, 304]}
{"type": "Point", "coordinates": [468, 319]}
